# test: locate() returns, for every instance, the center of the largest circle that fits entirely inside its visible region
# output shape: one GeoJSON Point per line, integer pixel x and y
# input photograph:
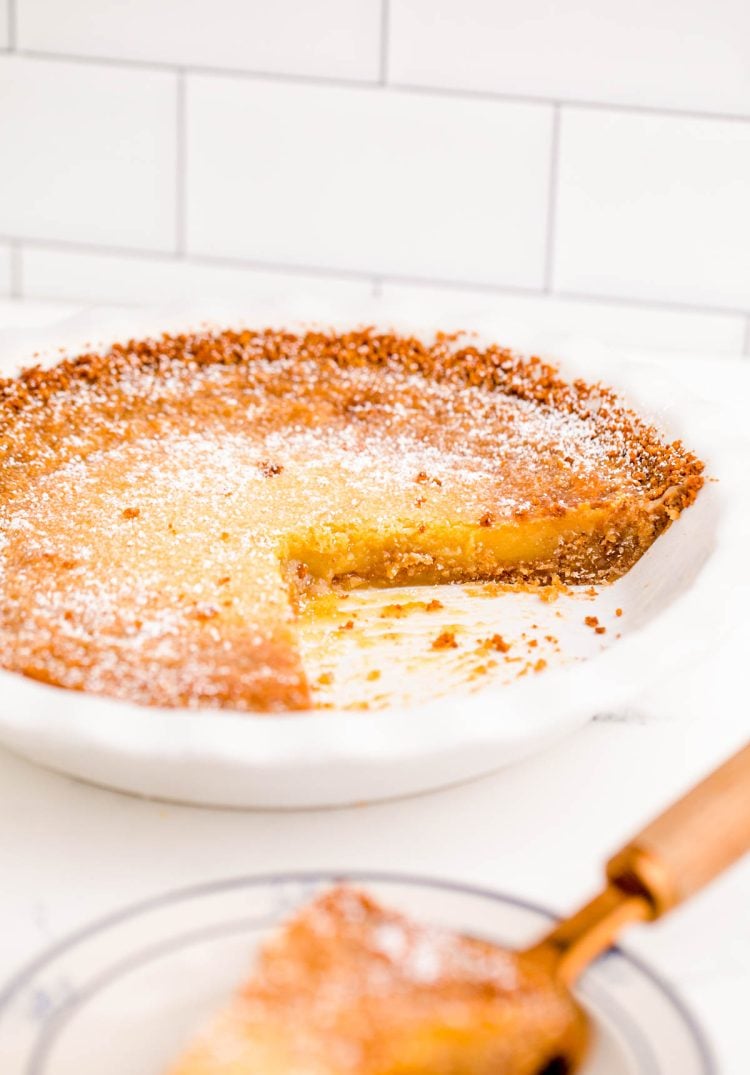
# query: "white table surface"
{"type": "Point", "coordinates": [541, 829]}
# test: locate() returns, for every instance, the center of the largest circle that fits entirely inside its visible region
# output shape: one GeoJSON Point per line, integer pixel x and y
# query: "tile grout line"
{"type": "Point", "coordinates": [165, 67]}
{"type": "Point", "coordinates": [365, 276]}
{"type": "Point", "coordinates": [549, 253]}
{"type": "Point", "coordinates": [12, 25]}
{"type": "Point", "coordinates": [651, 304]}
{"type": "Point", "coordinates": [385, 19]}
{"type": "Point", "coordinates": [181, 166]}
{"type": "Point", "coordinates": [570, 102]}
{"type": "Point", "coordinates": [396, 87]}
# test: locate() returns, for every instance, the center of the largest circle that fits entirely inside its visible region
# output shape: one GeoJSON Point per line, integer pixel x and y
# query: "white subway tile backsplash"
{"type": "Point", "coordinates": [89, 153]}
{"type": "Point", "coordinates": [5, 269]}
{"type": "Point", "coordinates": [654, 207]}
{"type": "Point", "coordinates": [329, 38]}
{"type": "Point", "coordinates": [547, 322]}
{"type": "Point", "coordinates": [524, 321]}
{"type": "Point", "coordinates": [380, 182]}
{"type": "Point", "coordinates": [111, 166]}
{"type": "Point", "coordinates": [667, 54]}
{"type": "Point", "coordinates": [126, 280]}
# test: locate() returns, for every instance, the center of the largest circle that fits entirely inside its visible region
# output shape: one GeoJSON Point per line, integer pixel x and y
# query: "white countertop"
{"type": "Point", "coordinates": [541, 829]}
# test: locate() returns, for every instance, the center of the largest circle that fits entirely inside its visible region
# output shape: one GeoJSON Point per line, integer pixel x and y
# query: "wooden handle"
{"type": "Point", "coordinates": [691, 842]}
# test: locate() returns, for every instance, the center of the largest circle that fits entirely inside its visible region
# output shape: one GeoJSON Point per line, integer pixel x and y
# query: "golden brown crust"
{"type": "Point", "coordinates": [658, 466]}
{"type": "Point", "coordinates": [158, 501]}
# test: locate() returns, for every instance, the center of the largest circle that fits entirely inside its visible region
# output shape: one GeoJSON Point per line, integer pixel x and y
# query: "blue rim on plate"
{"type": "Point", "coordinates": [67, 1008]}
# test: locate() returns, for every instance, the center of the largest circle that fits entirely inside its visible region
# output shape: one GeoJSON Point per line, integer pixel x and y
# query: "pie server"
{"type": "Point", "coordinates": [665, 864]}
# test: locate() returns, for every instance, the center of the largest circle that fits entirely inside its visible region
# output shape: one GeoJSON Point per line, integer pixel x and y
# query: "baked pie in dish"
{"type": "Point", "coordinates": [351, 988]}
{"type": "Point", "coordinates": [167, 505]}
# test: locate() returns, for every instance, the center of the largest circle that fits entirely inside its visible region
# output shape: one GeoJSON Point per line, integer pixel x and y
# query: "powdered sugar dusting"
{"type": "Point", "coordinates": [378, 950]}
{"type": "Point", "coordinates": [161, 503]}
{"type": "Point", "coordinates": [351, 987]}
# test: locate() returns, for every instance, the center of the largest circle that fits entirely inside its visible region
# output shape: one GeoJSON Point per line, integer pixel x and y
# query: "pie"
{"type": "Point", "coordinates": [350, 988]}
{"type": "Point", "coordinates": [165, 506]}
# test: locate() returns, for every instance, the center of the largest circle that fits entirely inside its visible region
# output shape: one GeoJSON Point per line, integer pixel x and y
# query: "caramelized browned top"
{"type": "Point", "coordinates": [360, 379]}
{"type": "Point", "coordinates": [149, 495]}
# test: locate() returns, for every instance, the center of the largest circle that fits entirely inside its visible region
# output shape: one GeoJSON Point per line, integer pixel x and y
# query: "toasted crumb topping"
{"type": "Point", "coordinates": [159, 501]}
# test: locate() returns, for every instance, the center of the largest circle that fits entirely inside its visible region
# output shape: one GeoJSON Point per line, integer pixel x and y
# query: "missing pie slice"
{"type": "Point", "coordinates": [164, 506]}
{"type": "Point", "coordinates": [350, 988]}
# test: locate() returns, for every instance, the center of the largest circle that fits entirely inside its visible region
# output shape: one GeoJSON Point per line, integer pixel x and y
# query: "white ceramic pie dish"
{"type": "Point", "coordinates": [679, 594]}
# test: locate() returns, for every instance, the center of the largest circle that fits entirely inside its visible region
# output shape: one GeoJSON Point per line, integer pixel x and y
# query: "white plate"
{"type": "Point", "coordinates": [124, 995]}
{"type": "Point", "coordinates": [681, 592]}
